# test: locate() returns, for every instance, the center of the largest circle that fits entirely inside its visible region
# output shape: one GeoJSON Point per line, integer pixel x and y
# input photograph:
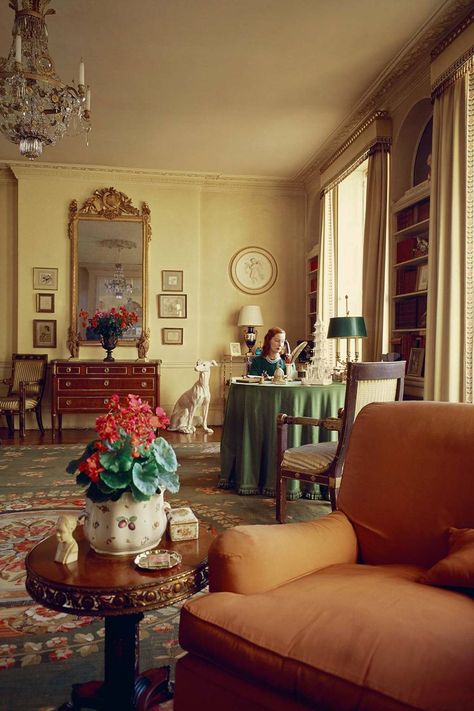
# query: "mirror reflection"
{"type": "Point", "coordinates": [109, 264]}
{"type": "Point", "coordinates": [110, 259]}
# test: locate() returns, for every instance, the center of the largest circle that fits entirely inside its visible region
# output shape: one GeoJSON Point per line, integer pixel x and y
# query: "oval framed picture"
{"type": "Point", "coordinates": [253, 270]}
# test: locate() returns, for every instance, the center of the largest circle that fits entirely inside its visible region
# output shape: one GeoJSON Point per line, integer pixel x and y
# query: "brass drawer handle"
{"type": "Point", "coordinates": [144, 383]}
{"type": "Point", "coordinates": [143, 370]}
{"type": "Point", "coordinates": [106, 370]}
{"type": "Point", "coordinates": [68, 370]}
{"type": "Point", "coordinates": [68, 383]}
{"type": "Point", "coordinates": [106, 400]}
{"type": "Point", "coordinates": [106, 382]}
{"type": "Point", "coordinates": [68, 402]}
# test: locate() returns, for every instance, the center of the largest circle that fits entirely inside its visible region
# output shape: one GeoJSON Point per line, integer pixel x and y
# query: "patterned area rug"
{"type": "Point", "coordinates": [43, 652]}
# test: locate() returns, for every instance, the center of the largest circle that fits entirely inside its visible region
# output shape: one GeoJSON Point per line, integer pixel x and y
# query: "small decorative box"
{"type": "Point", "coordinates": [184, 525]}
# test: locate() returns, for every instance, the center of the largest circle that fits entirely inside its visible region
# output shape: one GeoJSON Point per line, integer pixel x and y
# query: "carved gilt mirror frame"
{"type": "Point", "coordinates": [109, 264]}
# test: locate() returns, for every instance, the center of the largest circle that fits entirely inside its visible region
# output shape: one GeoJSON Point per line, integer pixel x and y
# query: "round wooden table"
{"type": "Point", "coordinates": [113, 587]}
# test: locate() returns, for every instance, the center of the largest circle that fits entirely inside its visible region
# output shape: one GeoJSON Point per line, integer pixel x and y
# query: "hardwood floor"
{"type": "Point", "coordinates": [82, 436]}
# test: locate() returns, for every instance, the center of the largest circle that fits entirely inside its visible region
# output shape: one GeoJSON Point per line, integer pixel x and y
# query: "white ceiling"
{"type": "Point", "coordinates": [239, 87]}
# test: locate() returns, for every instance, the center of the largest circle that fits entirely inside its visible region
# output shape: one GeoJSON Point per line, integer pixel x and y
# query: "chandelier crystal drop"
{"type": "Point", "coordinates": [118, 286]}
{"type": "Point", "coordinates": [36, 108]}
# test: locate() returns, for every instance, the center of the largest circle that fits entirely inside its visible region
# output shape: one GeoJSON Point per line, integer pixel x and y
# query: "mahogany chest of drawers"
{"type": "Point", "coordinates": [84, 386]}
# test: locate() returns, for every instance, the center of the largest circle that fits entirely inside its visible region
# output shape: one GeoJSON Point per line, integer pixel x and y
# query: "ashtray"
{"type": "Point", "coordinates": [158, 559]}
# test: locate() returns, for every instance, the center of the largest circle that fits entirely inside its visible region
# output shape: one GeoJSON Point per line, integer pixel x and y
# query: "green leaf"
{"type": "Point", "coordinates": [164, 454]}
{"type": "Point", "coordinates": [138, 495]}
{"type": "Point", "coordinates": [145, 478]}
{"type": "Point", "coordinates": [116, 480]}
{"type": "Point", "coordinates": [169, 481]}
{"type": "Point", "coordinates": [120, 461]}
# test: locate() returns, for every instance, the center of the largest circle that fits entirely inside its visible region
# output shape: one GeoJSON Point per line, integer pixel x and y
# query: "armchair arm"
{"type": "Point", "coordinates": [251, 559]}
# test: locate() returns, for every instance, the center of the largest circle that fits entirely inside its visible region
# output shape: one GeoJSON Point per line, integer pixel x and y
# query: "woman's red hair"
{"type": "Point", "coordinates": [268, 337]}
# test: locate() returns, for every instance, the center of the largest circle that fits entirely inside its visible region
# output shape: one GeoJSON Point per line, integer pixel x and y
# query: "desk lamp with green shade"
{"type": "Point", "coordinates": [346, 327]}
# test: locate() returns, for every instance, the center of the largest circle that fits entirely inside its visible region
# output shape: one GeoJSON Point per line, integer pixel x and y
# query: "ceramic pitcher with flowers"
{"type": "Point", "coordinates": [126, 471]}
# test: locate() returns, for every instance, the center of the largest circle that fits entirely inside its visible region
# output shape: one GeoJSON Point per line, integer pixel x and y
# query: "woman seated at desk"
{"type": "Point", "coordinates": [270, 360]}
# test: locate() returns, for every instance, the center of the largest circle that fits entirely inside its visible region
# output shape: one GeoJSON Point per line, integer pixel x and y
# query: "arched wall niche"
{"type": "Point", "coordinates": [406, 144]}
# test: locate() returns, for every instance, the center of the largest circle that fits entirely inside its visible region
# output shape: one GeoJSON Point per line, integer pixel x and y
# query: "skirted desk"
{"type": "Point", "coordinates": [248, 444]}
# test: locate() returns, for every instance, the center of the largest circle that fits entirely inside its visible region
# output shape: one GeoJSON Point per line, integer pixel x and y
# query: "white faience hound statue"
{"type": "Point", "coordinates": [184, 416]}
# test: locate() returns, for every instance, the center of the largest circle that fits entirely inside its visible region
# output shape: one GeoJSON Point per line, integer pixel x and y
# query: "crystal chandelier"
{"type": "Point", "coordinates": [36, 108]}
{"type": "Point", "coordinates": [118, 285]}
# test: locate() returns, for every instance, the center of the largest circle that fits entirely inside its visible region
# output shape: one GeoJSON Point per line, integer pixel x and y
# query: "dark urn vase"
{"type": "Point", "coordinates": [109, 342]}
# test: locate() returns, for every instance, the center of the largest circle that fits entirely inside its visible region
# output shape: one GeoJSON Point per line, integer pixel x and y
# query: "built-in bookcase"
{"type": "Point", "coordinates": [409, 277]}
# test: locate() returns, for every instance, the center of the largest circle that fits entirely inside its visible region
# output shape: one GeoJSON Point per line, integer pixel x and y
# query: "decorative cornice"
{"type": "Point", "coordinates": [191, 180]}
{"type": "Point", "coordinates": [380, 144]}
{"type": "Point", "coordinates": [416, 54]}
{"type": "Point", "coordinates": [461, 66]}
{"type": "Point", "coordinates": [376, 115]}
{"type": "Point", "coordinates": [454, 34]}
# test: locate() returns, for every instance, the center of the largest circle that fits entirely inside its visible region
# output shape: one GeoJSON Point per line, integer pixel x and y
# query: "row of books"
{"type": "Point", "coordinates": [411, 313]}
{"type": "Point", "coordinates": [413, 214]}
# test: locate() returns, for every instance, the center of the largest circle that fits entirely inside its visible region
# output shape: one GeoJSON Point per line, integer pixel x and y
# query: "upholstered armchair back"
{"type": "Point", "coordinates": [408, 477]}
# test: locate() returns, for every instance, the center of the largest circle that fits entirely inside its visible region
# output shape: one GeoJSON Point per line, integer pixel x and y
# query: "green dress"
{"type": "Point", "coordinates": [261, 365]}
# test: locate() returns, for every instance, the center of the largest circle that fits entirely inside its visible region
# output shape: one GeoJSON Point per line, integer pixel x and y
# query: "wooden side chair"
{"type": "Point", "coordinates": [323, 463]}
{"type": "Point", "coordinates": [25, 390]}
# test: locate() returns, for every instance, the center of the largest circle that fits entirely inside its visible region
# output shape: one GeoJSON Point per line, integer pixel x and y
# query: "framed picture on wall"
{"type": "Point", "coordinates": [253, 270]}
{"type": "Point", "coordinates": [172, 336]}
{"type": "Point", "coordinates": [174, 306]}
{"type": "Point", "coordinates": [44, 334]}
{"type": "Point", "coordinates": [171, 280]}
{"type": "Point", "coordinates": [45, 278]}
{"type": "Point", "coordinates": [44, 303]}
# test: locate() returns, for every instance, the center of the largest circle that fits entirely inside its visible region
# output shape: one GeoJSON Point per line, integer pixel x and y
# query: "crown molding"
{"type": "Point", "coordinates": [193, 180]}
{"type": "Point", "coordinates": [417, 53]}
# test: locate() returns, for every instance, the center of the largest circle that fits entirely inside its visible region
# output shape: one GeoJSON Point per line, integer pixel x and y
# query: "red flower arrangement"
{"type": "Point", "coordinates": [127, 455]}
{"type": "Point", "coordinates": [109, 323]}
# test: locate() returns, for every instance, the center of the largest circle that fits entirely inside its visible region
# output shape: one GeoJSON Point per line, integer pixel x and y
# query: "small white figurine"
{"type": "Point", "coordinates": [67, 550]}
{"type": "Point", "coordinates": [184, 416]}
{"type": "Point", "coordinates": [279, 376]}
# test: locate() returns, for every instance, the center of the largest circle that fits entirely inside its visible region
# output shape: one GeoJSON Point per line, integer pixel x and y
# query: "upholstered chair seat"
{"type": "Point", "coordinates": [25, 390]}
{"type": "Point", "coordinates": [311, 458]}
{"type": "Point", "coordinates": [323, 463]}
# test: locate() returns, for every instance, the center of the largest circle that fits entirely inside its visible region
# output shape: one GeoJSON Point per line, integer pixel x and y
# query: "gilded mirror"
{"type": "Point", "coordinates": [109, 250]}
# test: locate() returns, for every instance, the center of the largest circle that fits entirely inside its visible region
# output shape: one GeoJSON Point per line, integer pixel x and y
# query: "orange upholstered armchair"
{"type": "Point", "coordinates": [370, 607]}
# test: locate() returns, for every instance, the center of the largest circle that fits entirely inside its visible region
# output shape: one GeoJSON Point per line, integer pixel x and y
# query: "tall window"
{"type": "Point", "coordinates": [350, 240]}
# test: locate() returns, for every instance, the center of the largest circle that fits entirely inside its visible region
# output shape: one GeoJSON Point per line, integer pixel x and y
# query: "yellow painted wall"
{"type": "Point", "coordinates": [197, 226]}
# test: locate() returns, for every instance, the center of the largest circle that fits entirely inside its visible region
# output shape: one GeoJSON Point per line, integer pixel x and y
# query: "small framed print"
{"type": "Point", "coordinates": [44, 334]}
{"type": "Point", "coordinates": [172, 336]}
{"type": "Point", "coordinates": [235, 349]}
{"type": "Point", "coordinates": [44, 303]}
{"type": "Point", "coordinates": [422, 278]}
{"type": "Point", "coordinates": [45, 278]}
{"type": "Point", "coordinates": [415, 362]}
{"type": "Point", "coordinates": [172, 306]}
{"type": "Point", "coordinates": [171, 280]}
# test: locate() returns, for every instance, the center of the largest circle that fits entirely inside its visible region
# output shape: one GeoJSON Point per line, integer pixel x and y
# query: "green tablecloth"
{"type": "Point", "coordinates": [248, 444]}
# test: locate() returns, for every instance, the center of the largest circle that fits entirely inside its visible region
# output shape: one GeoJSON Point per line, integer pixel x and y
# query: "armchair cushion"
{"type": "Point", "coordinates": [310, 458]}
{"type": "Point", "coordinates": [457, 568]}
{"type": "Point", "coordinates": [242, 559]}
{"type": "Point", "coordinates": [13, 403]}
{"type": "Point", "coordinates": [344, 637]}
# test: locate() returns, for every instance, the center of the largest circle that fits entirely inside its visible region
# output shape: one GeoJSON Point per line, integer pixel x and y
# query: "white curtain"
{"type": "Point", "coordinates": [327, 287]}
{"type": "Point", "coordinates": [448, 370]}
{"type": "Point", "coordinates": [374, 297]}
